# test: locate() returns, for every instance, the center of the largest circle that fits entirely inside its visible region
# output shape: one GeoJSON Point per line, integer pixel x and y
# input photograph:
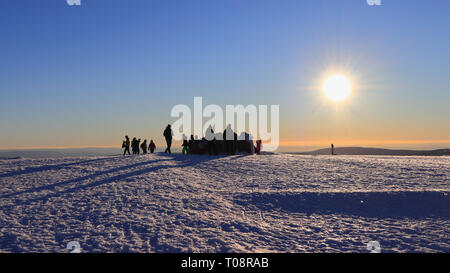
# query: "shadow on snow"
{"type": "Point", "coordinates": [183, 161]}
{"type": "Point", "coordinates": [367, 204]}
{"type": "Point", "coordinates": [52, 167]}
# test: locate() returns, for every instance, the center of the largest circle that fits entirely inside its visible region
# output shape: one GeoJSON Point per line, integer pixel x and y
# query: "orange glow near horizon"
{"type": "Point", "coordinates": [363, 142]}
{"type": "Point", "coordinates": [288, 143]}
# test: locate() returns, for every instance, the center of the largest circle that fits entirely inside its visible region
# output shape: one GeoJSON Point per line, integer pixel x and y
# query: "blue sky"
{"type": "Point", "coordinates": [83, 76]}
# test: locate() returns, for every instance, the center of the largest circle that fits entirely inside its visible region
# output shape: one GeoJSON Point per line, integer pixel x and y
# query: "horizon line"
{"type": "Point", "coordinates": [284, 144]}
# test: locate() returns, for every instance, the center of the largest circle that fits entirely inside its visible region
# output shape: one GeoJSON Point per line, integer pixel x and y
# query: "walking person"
{"type": "Point", "coordinates": [168, 136]}
{"type": "Point", "coordinates": [126, 145]}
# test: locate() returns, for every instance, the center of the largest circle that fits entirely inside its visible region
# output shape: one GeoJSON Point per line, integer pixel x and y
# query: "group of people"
{"type": "Point", "coordinates": [213, 143]}
{"type": "Point", "coordinates": [227, 142]}
{"type": "Point", "coordinates": [136, 146]}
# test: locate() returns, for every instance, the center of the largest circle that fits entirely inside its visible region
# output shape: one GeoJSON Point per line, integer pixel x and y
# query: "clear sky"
{"type": "Point", "coordinates": [83, 76]}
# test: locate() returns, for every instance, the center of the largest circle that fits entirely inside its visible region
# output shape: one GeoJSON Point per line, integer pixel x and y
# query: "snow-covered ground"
{"type": "Point", "coordinates": [268, 203]}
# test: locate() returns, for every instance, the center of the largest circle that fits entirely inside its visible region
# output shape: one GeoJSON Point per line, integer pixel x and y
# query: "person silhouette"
{"type": "Point", "coordinates": [151, 146]}
{"type": "Point", "coordinates": [144, 146]}
{"type": "Point", "coordinates": [126, 145]}
{"type": "Point", "coordinates": [133, 145]}
{"type": "Point", "coordinates": [229, 137]}
{"type": "Point", "coordinates": [258, 146]}
{"type": "Point", "coordinates": [185, 145]}
{"type": "Point", "coordinates": [191, 145]}
{"type": "Point", "coordinates": [210, 137]}
{"type": "Point", "coordinates": [138, 144]}
{"type": "Point", "coordinates": [168, 136]}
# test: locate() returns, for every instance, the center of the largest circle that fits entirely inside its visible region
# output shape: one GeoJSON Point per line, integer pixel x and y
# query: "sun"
{"type": "Point", "coordinates": [337, 87]}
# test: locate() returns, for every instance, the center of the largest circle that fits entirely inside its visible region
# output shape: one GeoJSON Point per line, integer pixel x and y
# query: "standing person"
{"type": "Point", "coordinates": [191, 148]}
{"type": "Point", "coordinates": [168, 136]}
{"type": "Point", "coordinates": [144, 146]}
{"type": "Point", "coordinates": [228, 137]}
{"type": "Point", "coordinates": [185, 149]}
{"type": "Point", "coordinates": [151, 146]}
{"type": "Point", "coordinates": [126, 145]}
{"type": "Point", "coordinates": [209, 135]}
{"type": "Point", "coordinates": [133, 145]}
{"type": "Point", "coordinates": [234, 144]}
{"type": "Point", "coordinates": [258, 146]}
{"type": "Point", "coordinates": [138, 144]}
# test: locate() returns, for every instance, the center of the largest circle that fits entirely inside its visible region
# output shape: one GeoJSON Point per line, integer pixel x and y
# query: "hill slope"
{"type": "Point", "coordinates": [274, 203]}
{"type": "Point", "coordinates": [376, 151]}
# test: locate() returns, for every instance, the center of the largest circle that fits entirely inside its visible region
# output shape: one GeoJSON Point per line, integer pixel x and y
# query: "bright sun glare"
{"type": "Point", "coordinates": [337, 87]}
